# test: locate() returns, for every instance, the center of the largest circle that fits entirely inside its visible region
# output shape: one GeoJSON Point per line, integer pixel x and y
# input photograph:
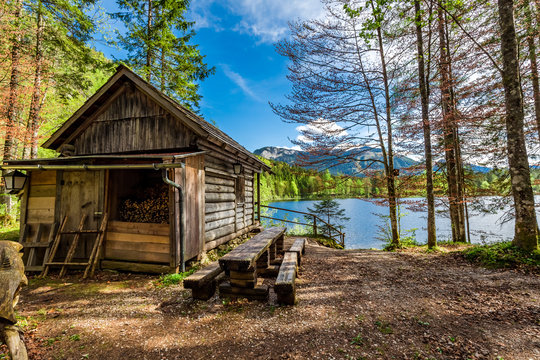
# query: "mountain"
{"type": "Point", "coordinates": [291, 157]}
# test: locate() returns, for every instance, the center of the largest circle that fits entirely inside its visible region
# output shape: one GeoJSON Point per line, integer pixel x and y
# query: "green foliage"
{"type": "Point", "coordinates": [503, 255]}
{"type": "Point", "coordinates": [331, 212]}
{"type": "Point", "coordinates": [173, 279]}
{"type": "Point", "coordinates": [290, 182]}
{"type": "Point", "coordinates": [158, 43]}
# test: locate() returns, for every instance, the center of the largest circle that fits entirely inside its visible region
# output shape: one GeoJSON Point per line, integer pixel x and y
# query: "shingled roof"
{"type": "Point", "coordinates": [123, 74]}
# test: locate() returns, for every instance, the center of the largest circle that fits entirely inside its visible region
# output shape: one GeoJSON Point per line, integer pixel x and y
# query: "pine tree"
{"type": "Point", "coordinates": [330, 211]}
{"type": "Point", "coordinates": [158, 45]}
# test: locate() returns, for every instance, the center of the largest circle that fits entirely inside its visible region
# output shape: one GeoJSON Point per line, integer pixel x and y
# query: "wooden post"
{"type": "Point", "coordinates": [259, 197]}
{"type": "Point", "coordinates": [314, 225]}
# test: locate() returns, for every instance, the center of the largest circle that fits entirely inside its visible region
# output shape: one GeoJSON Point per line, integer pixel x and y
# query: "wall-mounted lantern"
{"type": "Point", "coordinates": [14, 181]}
{"type": "Point", "coordinates": [237, 168]}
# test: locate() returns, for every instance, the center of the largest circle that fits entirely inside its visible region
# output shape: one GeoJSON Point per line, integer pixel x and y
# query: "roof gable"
{"type": "Point", "coordinates": [104, 98]}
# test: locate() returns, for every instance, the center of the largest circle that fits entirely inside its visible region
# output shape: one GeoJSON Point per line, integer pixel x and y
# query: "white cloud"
{"type": "Point", "coordinates": [265, 19]}
{"type": "Point", "coordinates": [239, 81]}
{"type": "Point", "coordinates": [319, 128]}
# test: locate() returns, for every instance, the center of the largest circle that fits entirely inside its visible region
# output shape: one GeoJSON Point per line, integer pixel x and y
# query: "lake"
{"type": "Point", "coordinates": [362, 229]}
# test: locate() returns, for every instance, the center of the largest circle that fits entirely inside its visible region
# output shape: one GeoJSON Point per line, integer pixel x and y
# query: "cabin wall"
{"type": "Point", "coordinates": [228, 206]}
{"type": "Point", "coordinates": [138, 242]}
{"type": "Point", "coordinates": [41, 198]}
{"type": "Point", "coordinates": [129, 122]}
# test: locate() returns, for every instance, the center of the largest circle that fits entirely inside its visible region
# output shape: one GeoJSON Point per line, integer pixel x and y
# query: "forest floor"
{"type": "Point", "coordinates": [352, 304]}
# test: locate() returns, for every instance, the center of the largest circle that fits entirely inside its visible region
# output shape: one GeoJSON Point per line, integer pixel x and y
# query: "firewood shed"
{"type": "Point", "coordinates": [172, 185]}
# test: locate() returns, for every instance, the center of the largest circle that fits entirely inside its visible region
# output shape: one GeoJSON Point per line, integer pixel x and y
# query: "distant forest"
{"type": "Point", "coordinates": [294, 182]}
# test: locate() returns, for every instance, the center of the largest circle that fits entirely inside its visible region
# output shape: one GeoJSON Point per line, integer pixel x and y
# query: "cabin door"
{"type": "Point", "coordinates": [82, 193]}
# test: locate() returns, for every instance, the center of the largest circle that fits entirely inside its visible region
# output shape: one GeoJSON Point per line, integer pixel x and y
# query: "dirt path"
{"type": "Point", "coordinates": [352, 305]}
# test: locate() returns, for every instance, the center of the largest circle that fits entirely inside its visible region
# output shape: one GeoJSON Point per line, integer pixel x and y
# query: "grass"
{"type": "Point", "coordinates": [173, 279]}
{"type": "Point", "coordinates": [503, 255]}
{"type": "Point", "coordinates": [10, 232]}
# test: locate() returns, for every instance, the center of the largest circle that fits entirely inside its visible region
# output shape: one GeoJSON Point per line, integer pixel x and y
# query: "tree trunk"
{"type": "Point", "coordinates": [12, 111]}
{"type": "Point", "coordinates": [390, 176]}
{"type": "Point", "coordinates": [149, 45]}
{"type": "Point", "coordinates": [30, 146]}
{"type": "Point", "coordinates": [531, 36]}
{"type": "Point", "coordinates": [426, 126]}
{"type": "Point", "coordinates": [526, 227]}
{"type": "Point", "coordinates": [10, 142]}
{"type": "Point", "coordinates": [458, 232]}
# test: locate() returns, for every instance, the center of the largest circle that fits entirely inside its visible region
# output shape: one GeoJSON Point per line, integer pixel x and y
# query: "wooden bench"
{"type": "Point", "coordinates": [284, 287]}
{"type": "Point", "coordinates": [299, 247]}
{"type": "Point", "coordinates": [203, 282]}
{"type": "Point", "coordinates": [244, 262]}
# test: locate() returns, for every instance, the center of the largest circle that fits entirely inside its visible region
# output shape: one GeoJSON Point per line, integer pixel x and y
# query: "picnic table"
{"type": "Point", "coordinates": [244, 262]}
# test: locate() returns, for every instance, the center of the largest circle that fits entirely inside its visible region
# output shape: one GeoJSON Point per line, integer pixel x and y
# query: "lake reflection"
{"type": "Point", "coordinates": [362, 229]}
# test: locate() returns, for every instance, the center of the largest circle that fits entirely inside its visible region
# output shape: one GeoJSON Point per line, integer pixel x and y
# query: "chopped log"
{"type": "Point", "coordinates": [218, 216]}
{"type": "Point", "coordinates": [218, 223]}
{"type": "Point", "coordinates": [219, 197]}
{"type": "Point", "coordinates": [214, 180]}
{"type": "Point", "coordinates": [219, 188]}
{"type": "Point", "coordinates": [215, 207]}
{"type": "Point", "coordinates": [217, 233]}
{"type": "Point", "coordinates": [203, 282]}
{"type": "Point", "coordinates": [285, 283]}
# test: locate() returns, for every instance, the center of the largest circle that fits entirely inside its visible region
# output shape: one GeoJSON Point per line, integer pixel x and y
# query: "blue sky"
{"type": "Point", "coordinates": [238, 37]}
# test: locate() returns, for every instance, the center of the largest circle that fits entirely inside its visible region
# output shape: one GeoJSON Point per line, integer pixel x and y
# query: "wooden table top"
{"type": "Point", "coordinates": [245, 255]}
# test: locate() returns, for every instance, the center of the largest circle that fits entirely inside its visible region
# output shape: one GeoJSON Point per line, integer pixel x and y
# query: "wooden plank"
{"type": "Point", "coordinates": [132, 255]}
{"type": "Point", "coordinates": [138, 228]}
{"type": "Point", "coordinates": [40, 216]}
{"type": "Point", "coordinates": [205, 275]}
{"type": "Point", "coordinates": [145, 247]}
{"type": "Point", "coordinates": [245, 255]}
{"type": "Point", "coordinates": [42, 191]}
{"type": "Point", "coordinates": [45, 177]}
{"type": "Point", "coordinates": [285, 282]}
{"type": "Point", "coordinates": [137, 238]}
{"type": "Point", "coordinates": [136, 267]}
{"type": "Point", "coordinates": [36, 203]}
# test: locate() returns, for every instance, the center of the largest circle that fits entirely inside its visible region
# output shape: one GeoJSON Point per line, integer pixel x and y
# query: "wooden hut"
{"type": "Point", "coordinates": [173, 185]}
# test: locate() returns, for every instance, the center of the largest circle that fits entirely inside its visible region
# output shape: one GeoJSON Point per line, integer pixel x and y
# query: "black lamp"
{"type": "Point", "coordinates": [237, 168]}
{"type": "Point", "coordinates": [14, 181]}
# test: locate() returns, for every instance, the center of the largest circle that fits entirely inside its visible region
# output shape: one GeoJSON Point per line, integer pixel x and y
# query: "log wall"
{"type": "Point", "coordinates": [225, 212]}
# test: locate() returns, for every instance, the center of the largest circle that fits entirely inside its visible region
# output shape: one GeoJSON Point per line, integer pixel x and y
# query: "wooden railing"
{"type": "Point", "coordinates": [334, 234]}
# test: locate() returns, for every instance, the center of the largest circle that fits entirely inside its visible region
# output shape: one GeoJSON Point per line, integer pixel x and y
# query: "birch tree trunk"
{"type": "Point", "coordinates": [526, 228]}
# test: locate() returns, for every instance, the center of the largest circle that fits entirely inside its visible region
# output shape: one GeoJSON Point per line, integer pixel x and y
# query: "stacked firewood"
{"type": "Point", "coordinates": [148, 206]}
